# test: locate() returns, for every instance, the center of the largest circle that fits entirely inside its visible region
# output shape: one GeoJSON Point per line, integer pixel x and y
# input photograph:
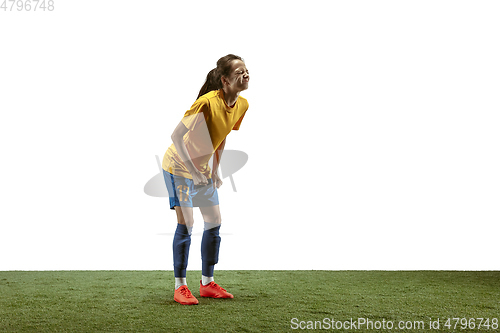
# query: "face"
{"type": "Point", "coordinates": [239, 76]}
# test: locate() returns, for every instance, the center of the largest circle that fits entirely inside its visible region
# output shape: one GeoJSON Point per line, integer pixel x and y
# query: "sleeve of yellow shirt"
{"type": "Point", "coordinates": [238, 123]}
{"type": "Point", "coordinates": [236, 126]}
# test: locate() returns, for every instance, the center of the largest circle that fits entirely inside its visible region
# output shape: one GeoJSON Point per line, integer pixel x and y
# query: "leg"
{"type": "Point", "coordinates": [210, 244]}
{"type": "Point", "coordinates": [182, 237]}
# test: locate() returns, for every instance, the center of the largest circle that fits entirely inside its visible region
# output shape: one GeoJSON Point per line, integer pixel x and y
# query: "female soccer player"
{"type": "Point", "coordinates": [190, 181]}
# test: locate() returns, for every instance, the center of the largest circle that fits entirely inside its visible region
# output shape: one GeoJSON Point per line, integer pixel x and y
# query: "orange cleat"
{"type": "Point", "coordinates": [182, 295]}
{"type": "Point", "coordinates": [214, 290]}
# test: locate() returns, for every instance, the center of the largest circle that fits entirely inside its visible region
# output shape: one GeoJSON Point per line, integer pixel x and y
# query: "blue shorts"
{"type": "Point", "coordinates": [182, 192]}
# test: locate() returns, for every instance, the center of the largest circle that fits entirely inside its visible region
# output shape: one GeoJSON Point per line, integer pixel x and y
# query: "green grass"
{"type": "Point", "coordinates": [265, 301]}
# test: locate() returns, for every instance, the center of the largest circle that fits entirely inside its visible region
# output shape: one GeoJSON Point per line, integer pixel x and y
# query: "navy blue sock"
{"type": "Point", "coordinates": [182, 241]}
{"type": "Point", "coordinates": [210, 244]}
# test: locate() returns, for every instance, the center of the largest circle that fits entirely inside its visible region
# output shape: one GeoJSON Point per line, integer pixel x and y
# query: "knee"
{"type": "Point", "coordinates": [215, 219]}
{"type": "Point", "coordinates": [187, 221]}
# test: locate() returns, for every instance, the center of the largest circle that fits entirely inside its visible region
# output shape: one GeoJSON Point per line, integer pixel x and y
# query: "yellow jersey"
{"type": "Point", "coordinates": [209, 121]}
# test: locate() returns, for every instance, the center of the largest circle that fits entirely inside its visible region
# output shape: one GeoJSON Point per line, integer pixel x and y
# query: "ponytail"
{"type": "Point", "coordinates": [213, 81]}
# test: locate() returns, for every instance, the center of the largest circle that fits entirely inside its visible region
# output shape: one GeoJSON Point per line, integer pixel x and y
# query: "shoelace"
{"type": "Point", "coordinates": [219, 287]}
{"type": "Point", "coordinates": [186, 292]}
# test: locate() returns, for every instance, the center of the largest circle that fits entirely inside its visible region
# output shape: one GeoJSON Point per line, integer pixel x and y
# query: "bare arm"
{"type": "Point", "coordinates": [217, 182]}
{"type": "Point", "coordinates": [180, 146]}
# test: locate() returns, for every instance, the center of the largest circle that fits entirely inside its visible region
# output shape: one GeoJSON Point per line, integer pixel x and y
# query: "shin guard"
{"type": "Point", "coordinates": [210, 244]}
{"type": "Point", "coordinates": [182, 242]}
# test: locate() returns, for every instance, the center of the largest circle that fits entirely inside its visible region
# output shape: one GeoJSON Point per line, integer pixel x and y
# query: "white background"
{"type": "Point", "coordinates": [372, 134]}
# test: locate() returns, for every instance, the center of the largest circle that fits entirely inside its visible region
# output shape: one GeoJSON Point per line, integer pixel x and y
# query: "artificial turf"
{"type": "Point", "coordinates": [264, 301]}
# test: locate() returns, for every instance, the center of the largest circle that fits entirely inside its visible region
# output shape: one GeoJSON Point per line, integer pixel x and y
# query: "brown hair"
{"type": "Point", "coordinates": [223, 68]}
